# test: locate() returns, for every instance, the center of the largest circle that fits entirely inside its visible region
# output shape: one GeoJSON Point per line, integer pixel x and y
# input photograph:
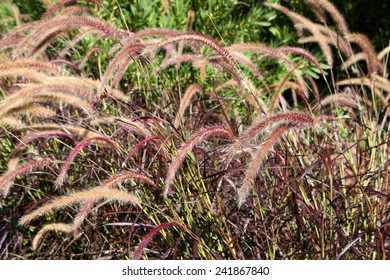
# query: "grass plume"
{"type": "Point", "coordinates": [138, 252]}
{"type": "Point", "coordinates": [314, 29]}
{"type": "Point", "coordinates": [7, 179]}
{"type": "Point", "coordinates": [82, 196]}
{"type": "Point", "coordinates": [373, 65]}
{"type": "Point", "coordinates": [75, 151]}
{"type": "Point", "coordinates": [186, 100]}
{"type": "Point", "coordinates": [115, 180]}
{"type": "Point", "coordinates": [298, 118]}
{"type": "Point", "coordinates": [58, 25]}
{"type": "Point", "coordinates": [257, 160]}
{"type": "Point", "coordinates": [187, 147]}
{"type": "Point", "coordinates": [55, 7]}
{"type": "Point", "coordinates": [335, 14]}
{"type": "Point", "coordinates": [55, 226]}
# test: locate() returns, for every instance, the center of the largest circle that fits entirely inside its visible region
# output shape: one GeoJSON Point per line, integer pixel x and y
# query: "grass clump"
{"type": "Point", "coordinates": [112, 136]}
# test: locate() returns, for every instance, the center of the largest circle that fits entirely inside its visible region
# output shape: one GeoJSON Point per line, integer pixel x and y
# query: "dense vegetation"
{"type": "Point", "coordinates": [191, 130]}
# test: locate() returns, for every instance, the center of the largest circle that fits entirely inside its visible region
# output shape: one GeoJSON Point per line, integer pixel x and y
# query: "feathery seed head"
{"type": "Point", "coordinates": [189, 145]}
